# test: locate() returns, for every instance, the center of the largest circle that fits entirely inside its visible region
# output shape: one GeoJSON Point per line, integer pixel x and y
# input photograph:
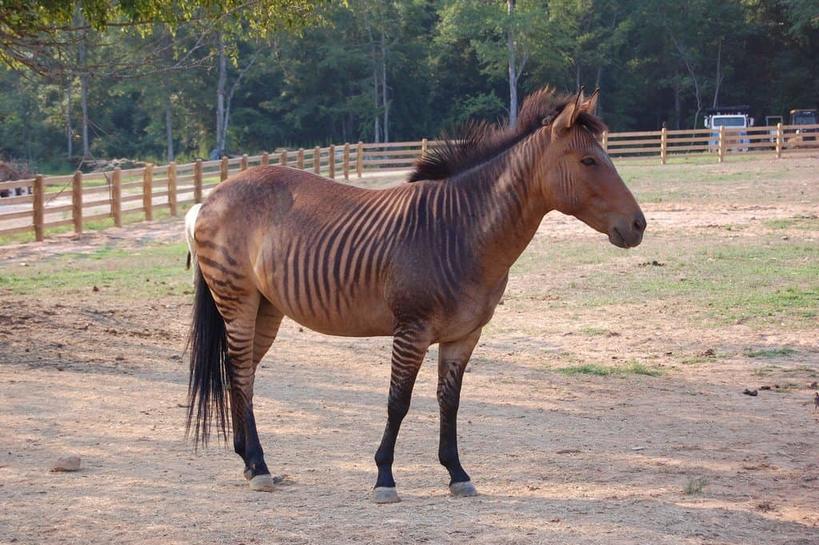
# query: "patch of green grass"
{"type": "Point", "coordinates": [695, 486]}
{"type": "Point", "coordinates": [779, 352]}
{"type": "Point", "coordinates": [637, 368]}
{"type": "Point", "coordinates": [631, 367]}
{"type": "Point", "coordinates": [147, 272]}
{"type": "Point", "coordinates": [735, 281]}
{"type": "Point", "coordinates": [587, 369]}
{"type": "Point", "coordinates": [810, 223]}
{"type": "Point", "coordinates": [766, 370]}
{"type": "Point", "coordinates": [593, 331]}
{"type": "Point", "coordinates": [696, 360]}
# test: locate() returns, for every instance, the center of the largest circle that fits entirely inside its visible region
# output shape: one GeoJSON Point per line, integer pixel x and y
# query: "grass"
{"type": "Point", "coordinates": [799, 222]}
{"type": "Point", "coordinates": [695, 486]}
{"type": "Point", "coordinates": [631, 367]}
{"type": "Point", "coordinates": [781, 352]}
{"type": "Point", "coordinates": [149, 272]}
{"type": "Point", "coordinates": [696, 360]}
{"type": "Point", "coordinates": [587, 369]}
{"type": "Point", "coordinates": [594, 331]}
{"type": "Point", "coordinates": [751, 279]}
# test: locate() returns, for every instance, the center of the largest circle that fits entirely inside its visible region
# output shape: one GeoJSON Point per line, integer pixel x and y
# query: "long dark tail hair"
{"type": "Point", "coordinates": [208, 382]}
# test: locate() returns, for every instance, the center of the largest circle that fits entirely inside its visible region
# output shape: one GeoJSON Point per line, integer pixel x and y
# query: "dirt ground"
{"type": "Point", "coordinates": [665, 449]}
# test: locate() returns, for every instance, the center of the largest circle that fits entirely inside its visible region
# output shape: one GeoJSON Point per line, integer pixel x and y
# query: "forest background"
{"type": "Point", "coordinates": [159, 81]}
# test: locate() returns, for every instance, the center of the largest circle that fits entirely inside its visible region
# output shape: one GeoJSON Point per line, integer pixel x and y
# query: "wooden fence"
{"type": "Point", "coordinates": [53, 201]}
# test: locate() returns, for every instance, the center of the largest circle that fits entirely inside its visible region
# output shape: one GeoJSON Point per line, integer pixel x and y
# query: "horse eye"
{"type": "Point", "coordinates": [588, 161]}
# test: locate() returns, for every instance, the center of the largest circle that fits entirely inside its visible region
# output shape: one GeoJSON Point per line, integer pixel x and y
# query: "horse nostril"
{"type": "Point", "coordinates": [639, 223]}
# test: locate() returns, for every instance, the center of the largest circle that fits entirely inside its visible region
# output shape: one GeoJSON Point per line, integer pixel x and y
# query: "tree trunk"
{"type": "Point", "coordinates": [81, 54]}
{"type": "Point", "coordinates": [220, 97]}
{"type": "Point", "coordinates": [68, 128]}
{"type": "Point", "coordinates": [376, 93]}
{"type": "Point", "coordinates": [377, 128]}
{"type": "Point", "coordinates": [718, 79]}
{"type": "Point", "coordinates": [169, 126]}
{"type": "Point", "coordinates": [597, 81]}
{"type": "Point", "coordinates": [513, 73]}
{"type": "Point", "coordinates": [384, 96]}
{"type": "Point", "coordinates": [677, 102]}
{"type": "Point", "coordinates": [226, 119]}
{"type": "Point", "coordinates": [693, 74]}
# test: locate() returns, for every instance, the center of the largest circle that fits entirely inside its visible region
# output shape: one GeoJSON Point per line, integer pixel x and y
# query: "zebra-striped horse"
{"type": "Point", "coordinates": [425, 262]}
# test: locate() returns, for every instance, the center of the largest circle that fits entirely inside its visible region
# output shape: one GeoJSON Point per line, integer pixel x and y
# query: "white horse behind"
{"type": "Point", "coordinates": [190, 225]}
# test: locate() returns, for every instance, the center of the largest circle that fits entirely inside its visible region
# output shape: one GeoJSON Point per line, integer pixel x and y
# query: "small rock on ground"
{"type": "Point", "coordinates": [67, 463]}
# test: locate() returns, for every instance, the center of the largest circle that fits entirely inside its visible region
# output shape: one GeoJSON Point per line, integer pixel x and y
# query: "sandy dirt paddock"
{"type": "Point", "coordinates": [604, 404]}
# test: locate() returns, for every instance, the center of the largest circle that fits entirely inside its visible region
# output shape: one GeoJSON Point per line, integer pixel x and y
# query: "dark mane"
{"type": "Point", "coordinates": [479, 141]}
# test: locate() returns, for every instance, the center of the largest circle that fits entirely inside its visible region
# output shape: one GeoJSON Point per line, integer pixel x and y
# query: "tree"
{"type": "Point", "coordinates": [35, 34]}
{"type": "Point", "coordinates": [504, 36]}
{"type": "Point", "coordinates": [377, 70]}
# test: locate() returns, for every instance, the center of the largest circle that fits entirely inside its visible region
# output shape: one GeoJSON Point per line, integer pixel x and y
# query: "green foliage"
{"type": "Point", "coordinates": [444, 63]}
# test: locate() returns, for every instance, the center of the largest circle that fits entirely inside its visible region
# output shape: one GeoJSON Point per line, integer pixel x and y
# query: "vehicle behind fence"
{"type": "Point", "coordinates": [43, 202]}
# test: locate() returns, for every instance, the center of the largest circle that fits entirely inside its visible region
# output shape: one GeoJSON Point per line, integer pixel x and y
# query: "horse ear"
{"type": "Point", "coordinates": [590, 104]}
{"type": "Point", "coordinates": [565, 120]}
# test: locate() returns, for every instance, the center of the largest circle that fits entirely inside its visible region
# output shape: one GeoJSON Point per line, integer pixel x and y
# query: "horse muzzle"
{"type": "Point", "coordinates": [628, 232]}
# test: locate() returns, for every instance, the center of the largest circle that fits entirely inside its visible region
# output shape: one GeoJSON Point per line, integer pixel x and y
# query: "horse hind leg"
{"type": "Point", "coordinates": [246, 438]}
{"type": "Point", "coordinates": [250, 332]}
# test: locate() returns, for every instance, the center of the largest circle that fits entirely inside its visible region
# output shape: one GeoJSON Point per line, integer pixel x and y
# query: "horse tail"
{"type": "Point", "coordinates": [188, 261]}
{"type": "Point", "coordinates": [208, 381]}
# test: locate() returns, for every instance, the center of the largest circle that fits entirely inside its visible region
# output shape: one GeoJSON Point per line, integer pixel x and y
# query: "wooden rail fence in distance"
{"type": "Point", "coordinates": [53, 201]}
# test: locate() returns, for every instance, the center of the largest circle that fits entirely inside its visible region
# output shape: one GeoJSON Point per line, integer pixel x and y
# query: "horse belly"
{"type": "Point", "coordinates": [363, 316]}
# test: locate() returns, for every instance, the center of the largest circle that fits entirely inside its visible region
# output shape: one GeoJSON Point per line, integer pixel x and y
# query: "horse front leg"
{"type": "Point", "coordinates": [409, 347]}
{"type": "Point", "coordinates": [452, 360]}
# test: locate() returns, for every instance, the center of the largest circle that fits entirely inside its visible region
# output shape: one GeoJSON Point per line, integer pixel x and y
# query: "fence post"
{"type": "Point", "coordinates": [197, 181]}
{"type": "Point", "coordinates": [423, 147]}
{"type": "Point", "coordinates": [779, 140]}
{"type": "Point", "coordinates": [605, 142]}
{"type": "Point", "coordinates": [332, 159]}
{"type": "Point", "coordinates": [265, 159]}
{"type": "Point", "coordinates": [38, 208]}
{"type": "Point", "coordinates": [283, 158]}
{"type": "Point", "coordinates": [317, 160]}
{"type": "Point", "coordinates": [223, 169]}
{"type": "Point", "coordinates": [721, 148]}
{"type": "Point", "coordinates": [172, 187]}
{"type": "Point", "coordinates": [243, 163]}
{"type": "Point", "coordinates": [346, 161]}
{"type": "Point", "coordinates": [359, 159]}
{"type": "Point", "coordinates": [116, 197]}
{"type": "Point", "coordinates": [76, 201]}
{"type": "Point", "coordinates": [148, 191]}
{"type": "Point", "coordinates": [300, 159]}
{"type": "Point", "coordinates": [663, 145]}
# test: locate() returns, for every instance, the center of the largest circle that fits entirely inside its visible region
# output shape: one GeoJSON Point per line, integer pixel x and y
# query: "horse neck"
{"type": "Point", "coordinates": [508, 207]}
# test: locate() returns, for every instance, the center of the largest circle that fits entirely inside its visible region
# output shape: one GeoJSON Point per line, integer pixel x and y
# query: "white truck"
{"type": "Point", "coordinates": [730, 117]}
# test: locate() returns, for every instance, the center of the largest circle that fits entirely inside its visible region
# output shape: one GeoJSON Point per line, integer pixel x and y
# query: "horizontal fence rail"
{"type": "Point", "coordinates": [43, 202]}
